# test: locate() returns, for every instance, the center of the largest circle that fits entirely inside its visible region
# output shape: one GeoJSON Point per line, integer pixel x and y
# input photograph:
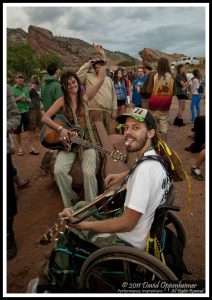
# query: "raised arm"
{"type": "Point", "coordinates": [81, 73]}
{"type": "Point", "coordinates": [91, 92]}
{"type": "Point", "coordinates": [100, 50]}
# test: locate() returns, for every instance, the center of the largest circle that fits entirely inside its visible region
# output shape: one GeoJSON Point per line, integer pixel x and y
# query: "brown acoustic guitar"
{"type": "Point", "coordinates": [50, 139]}
{"type": "Point", "coordinates": [112, 207]}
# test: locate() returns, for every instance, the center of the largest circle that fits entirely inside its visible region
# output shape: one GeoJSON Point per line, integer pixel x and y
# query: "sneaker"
{"type": "Point", "coordinates": [11, 246]}
{"type": "Point", "coordinates": [195, 171]}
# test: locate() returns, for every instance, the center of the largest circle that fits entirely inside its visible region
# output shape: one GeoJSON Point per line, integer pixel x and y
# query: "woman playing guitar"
{"type": "Point", "coordinates": [74, 106]}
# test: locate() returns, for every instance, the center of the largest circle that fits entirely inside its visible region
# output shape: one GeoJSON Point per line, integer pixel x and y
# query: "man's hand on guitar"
{"type": "Point", "coordinates": [113, 179]}
{"type": "Point", "coordinates": [66, 213]}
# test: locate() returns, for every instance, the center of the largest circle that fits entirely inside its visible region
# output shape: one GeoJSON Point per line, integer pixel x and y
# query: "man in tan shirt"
{"type": "Point", "coordinates": [103, 106]}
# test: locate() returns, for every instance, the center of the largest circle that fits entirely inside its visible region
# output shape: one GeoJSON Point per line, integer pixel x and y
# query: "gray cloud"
{"type": "Point", "coordinates": [127, 29]}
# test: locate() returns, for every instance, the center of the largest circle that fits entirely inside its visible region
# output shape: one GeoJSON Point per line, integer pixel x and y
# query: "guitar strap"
{"type": "Point", "coordinates": [91, 133]}
{"type": "Point", "coordinates": [132, 169]}
{"type": "Point", "coordinates": [90, 130]}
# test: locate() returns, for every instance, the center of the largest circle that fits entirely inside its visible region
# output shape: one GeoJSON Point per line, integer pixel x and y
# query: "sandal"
{"type": "Point", "coordinates": [25, 184]}
{"type": "Point", "coordinates": [34, 152]}
{"type": "Point", "coordinates": [195, 171]}
{"type": "Point", "coordinates": [21, 153]}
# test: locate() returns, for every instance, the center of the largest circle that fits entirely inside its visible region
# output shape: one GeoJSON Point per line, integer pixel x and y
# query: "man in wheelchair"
{"type": "Point", "coordinates": [147, 187]}
{"type": "Point", "coordinates": [94, 243]}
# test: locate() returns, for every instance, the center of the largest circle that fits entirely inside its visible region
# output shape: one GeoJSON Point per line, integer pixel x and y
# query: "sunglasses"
{"type": "Point", "coordinates": [20, 77]}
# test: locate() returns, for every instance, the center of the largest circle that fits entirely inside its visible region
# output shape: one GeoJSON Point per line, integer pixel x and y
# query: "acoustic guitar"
{"type": "Point", "coordinates": [50, 139]}
{"type": "Point", "coordinates": [62, 223]}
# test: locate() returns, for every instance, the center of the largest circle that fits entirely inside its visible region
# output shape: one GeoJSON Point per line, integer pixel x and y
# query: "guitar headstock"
{"type": "Point", "coordinates": [118, 155]}
{"type": "Point", "coordinates": [53, 233]}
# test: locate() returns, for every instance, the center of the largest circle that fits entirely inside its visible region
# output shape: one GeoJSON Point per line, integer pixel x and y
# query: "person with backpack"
{"type": "Point", "coordinates": [161, 98]}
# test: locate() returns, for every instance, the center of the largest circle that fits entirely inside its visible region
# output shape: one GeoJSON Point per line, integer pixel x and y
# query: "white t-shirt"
{"type": "Point", "coordinates": [146, 189]}
{"type": "Point", "coordinates": [195, 86]}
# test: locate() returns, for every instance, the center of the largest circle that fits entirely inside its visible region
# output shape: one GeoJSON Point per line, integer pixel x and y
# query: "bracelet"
{"type": "Point", "coordinates": [59, 129]}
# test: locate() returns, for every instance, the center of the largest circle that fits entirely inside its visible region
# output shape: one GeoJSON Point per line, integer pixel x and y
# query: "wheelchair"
{"type": "Point", "coordinates": [109, 269]}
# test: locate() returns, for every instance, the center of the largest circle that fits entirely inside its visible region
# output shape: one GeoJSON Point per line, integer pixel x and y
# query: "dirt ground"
{"type": "Point", "coordinates": [39, 204]}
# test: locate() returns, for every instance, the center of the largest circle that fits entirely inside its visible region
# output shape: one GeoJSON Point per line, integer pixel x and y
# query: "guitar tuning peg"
{"type": "Point", "coordinates": [115, 159]}
{"type": "Point", "coordinates": [61, 232]}
{"type": "Point", "coordinates": [66, 226]}
{"type": "Point", "coordinates": [56, 239]}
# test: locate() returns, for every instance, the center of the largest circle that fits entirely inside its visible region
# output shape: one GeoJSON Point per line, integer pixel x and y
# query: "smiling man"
{"type": "Point", "coordinates": [147, 187]}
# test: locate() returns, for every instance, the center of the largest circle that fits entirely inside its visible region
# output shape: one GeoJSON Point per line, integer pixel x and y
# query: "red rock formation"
{"type": "Point", "coordinates": [150, 55]}
{"type": "Point", "coordinates": [43, 41]}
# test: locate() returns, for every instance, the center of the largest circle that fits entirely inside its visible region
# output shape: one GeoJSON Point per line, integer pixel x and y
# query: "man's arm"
{"type": "Point", "coordinates": [124, 223]}
{"type": "Point", "coordinates": [114, 99]}
{"type": "Point", "coordinates": [100, 50]}
{"type": "Point", "coordinates": [81, 73]}
{"type": "Point", "coordinates": [13, 115]}
{"type": "Point", "coordinates": [91, 92]}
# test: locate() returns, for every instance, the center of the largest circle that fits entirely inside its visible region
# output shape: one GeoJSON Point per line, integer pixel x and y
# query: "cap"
{"type": "Point", "coordinates": [19, 74]}
{"type": "Point", "coordinates": [140, 115]}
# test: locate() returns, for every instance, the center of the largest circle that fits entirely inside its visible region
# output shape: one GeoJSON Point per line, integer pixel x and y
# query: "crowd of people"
{"type": "Point", "coordinates": [140, 104]}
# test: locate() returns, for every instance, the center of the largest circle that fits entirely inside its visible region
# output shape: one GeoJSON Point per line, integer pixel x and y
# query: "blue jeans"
{"type": "Point", "coordinates": [195, 102]}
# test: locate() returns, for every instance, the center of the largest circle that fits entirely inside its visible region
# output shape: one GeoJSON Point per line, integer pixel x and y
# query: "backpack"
{"type": "Point", "coordinates": [147, 87]}
{"type": "Point", "coordinates": [173, 253]}
{"type": "Point", "coordinates": [162, 93]}
{"type": "Point", "coordinates": [174, 164]}
{"type": "Point", "coordinates": [67, 258]}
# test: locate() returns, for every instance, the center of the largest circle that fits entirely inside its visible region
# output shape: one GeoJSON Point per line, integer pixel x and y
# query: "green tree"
{"type": "Point", "coordinates": [48, 58]}
{"type": "Point", "coordinates": [126, 63]}
{"type": "Point", "coordinates": [21, 58]}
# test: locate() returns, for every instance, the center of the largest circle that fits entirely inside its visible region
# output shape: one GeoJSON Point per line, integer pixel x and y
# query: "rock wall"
{"type": "Point", "coordinates": [150, 55]}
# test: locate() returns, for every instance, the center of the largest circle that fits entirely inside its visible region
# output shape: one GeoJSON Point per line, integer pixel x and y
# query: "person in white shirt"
{"type": "Point", "coordinates": [147, 187]}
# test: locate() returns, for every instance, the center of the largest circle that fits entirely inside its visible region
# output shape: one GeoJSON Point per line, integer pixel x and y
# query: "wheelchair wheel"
{"type": "Point", "coordinates": [172, 219]}
{"type": "Point", "coordinates": [108, 268]}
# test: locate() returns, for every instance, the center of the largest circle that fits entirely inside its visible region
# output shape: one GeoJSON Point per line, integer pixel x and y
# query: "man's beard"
{"type": "Point", "coordinates": [140, 144]}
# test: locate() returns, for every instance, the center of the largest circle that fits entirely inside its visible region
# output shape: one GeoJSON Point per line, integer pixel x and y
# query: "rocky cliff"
{"type": "Point", "coordinates": [74, 52]}
{"type": "Point", "coordinates": [71, 51]}
{"type": "Point", "coordinates": [150, 55]}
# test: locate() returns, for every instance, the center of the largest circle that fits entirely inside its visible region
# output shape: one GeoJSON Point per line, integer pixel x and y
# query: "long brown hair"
{"type": "Point", "coordinates": [163, 67]}
{"type": "Point", "coordinates": [64, 86]}
{"type": "Point", "coordinates": [115, 77]}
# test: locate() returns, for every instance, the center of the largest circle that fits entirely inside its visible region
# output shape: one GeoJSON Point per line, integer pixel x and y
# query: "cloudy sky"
{"type": "Point", "coordinates": [128, 28]}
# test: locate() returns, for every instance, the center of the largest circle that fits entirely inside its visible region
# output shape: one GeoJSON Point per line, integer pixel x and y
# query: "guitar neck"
{"type": "Point", "coordinates": [87, 144]}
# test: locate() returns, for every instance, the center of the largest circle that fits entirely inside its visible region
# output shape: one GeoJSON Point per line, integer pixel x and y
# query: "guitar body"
{"type": "Point", "coordinates": [49, 137]}
{"type": "Point", "coordinates": [113, 206]}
